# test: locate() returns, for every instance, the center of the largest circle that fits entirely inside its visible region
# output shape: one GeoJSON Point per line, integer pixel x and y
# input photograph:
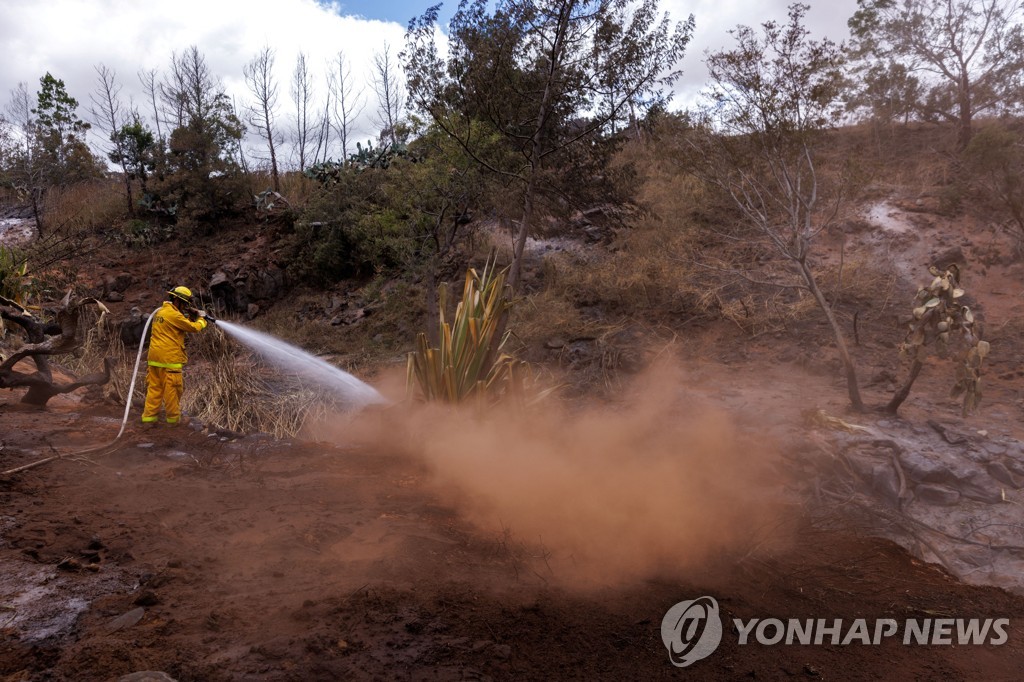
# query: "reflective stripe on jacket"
{"type": "Point", "coordinates": [167, 340]}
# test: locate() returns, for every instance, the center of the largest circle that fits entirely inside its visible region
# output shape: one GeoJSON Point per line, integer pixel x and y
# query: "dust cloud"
{"type": "Point", "coordinates": [650, 486]}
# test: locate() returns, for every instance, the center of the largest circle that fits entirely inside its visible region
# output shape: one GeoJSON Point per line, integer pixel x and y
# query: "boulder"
{"type": "Point", "coordinates": [939, 495]}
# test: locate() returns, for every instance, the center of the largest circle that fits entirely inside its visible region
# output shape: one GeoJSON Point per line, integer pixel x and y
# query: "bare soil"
{"type": "Point", "coordinates": [256, 559]}
{"type": "Point", "coordinates": [211, 556]}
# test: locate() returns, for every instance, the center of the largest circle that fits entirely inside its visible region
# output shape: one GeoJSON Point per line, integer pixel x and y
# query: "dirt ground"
{"type": "Point", "coordinates": [212, 558]}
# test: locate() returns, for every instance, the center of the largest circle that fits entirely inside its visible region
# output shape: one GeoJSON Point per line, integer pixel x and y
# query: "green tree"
{"type": "Point", "coordinates": [952, 59]}
{"type": "Point", "coordinates": [60, 134]}
{"type": "Point", "coordinates": [522, 85]}
{"type": "Point", "coordinates": [204, 145]}
{"type": "Point", "coordinates": [134, 148]}
{"type": "Point", "coordinates": [772, 99]}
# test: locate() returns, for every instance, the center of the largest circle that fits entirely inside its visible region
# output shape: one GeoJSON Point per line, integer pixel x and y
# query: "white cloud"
{"type": "Point", "coordinates": [69, 38]}
{"type": "Point", "coordinates": [715, 18]}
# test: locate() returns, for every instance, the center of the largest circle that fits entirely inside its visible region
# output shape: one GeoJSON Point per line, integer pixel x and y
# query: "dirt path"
{"type": "Point", "coordinates": [275, 561]}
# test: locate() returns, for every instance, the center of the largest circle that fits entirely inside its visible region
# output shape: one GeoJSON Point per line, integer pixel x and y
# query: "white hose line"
{"type": "Point", "coordinates": [135, 373]}
{"type": "Point", "coordinates": [124, 421]}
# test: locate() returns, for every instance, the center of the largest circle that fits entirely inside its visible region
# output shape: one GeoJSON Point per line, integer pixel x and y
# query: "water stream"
{"type": "Point", "coordinates": [292, 358]}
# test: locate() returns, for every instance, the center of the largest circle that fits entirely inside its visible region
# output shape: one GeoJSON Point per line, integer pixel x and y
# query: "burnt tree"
{"type": "Point", "coordinates": [45, 340]}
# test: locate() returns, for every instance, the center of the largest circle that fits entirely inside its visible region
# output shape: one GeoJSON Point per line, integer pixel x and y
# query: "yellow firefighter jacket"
{"type": "Point", "coordinates": [167, 340]}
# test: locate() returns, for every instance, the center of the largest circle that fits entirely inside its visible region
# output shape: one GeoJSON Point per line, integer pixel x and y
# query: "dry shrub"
{"type": "Point", "coordinates": [768, 311]}
{"type": "Point", "coordinates": [545, 314]}
{"type": "Point", "coordinates": [225, 386]}
{"type": "Point", "coordinates": [861, 281]}
{"type": "Point", "coordinates": [916, 157]}
{"type": "Point", "coordinates": [85, 206]}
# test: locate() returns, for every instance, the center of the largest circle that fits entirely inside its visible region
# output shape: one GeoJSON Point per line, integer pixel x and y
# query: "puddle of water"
{"type": "Point", "coordinates": [33, 603]}
{"type": "Point", "coordinates": [17, 230]}
{"type": "Point", "coordinates": [889, 218]}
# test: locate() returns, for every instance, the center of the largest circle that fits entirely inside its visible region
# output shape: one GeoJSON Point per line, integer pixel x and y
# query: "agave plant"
{"type": "Point", "coordinates": [469, 361]}
{"type": "Point", "coordinates": [14, 281]}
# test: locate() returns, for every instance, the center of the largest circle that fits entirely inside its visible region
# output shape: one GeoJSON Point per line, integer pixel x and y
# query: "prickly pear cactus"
{"type": "Point", "coordinates": [941, 321]}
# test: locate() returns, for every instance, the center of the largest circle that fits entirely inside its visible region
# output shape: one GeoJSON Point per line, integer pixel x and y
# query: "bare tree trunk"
{"type": "Point", "coordinates": [904, 391]}
{"type": "Point", "coordinates": [106, 112]}
{"type": "Point", "coordinates": [390, 97]}
{"type": "Point", "coordinates": [965, 118]}
{"type": "Point", "coordinates": [519, 246]}
{"type": "Point", "coordinates": [41, 386]}
{"type": "Point", "coordinates": [302, 96]}
{"type": "Point", "coordinates": [844, 354]}
{"type": "Point", "coordinates": [543, 113]}
{"type": "Point", "coordinates": [150, 87]}
{"type": "Point", "coordinates": [346, 109]}
{"type": "Point", "coordinates": [259, 76]}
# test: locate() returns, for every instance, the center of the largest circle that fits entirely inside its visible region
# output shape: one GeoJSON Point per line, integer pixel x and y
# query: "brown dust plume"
{"type": "Point", "coordinates": [651, 485]}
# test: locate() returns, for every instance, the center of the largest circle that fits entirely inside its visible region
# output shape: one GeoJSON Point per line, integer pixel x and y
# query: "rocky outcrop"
{"type": "Point", "coordinates": [243, 290]}
{"type": "Point", "coordinates": [945, 492]}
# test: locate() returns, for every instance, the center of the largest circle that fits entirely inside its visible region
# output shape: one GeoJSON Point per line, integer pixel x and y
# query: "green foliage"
{"type": "Point", "coordinates": [530, 89]}
{"type": "Point", "coordinates": [15, 284]}
{"type": "Point", "coordinates": [942, 321]}
{"type": "Point", "coordinates": [60, 135]}
{"type": "Point", "coordinates": [944, 60]}
{"type": "Point", "coordinates": [200, 171]}
{"type": "Point", "coordinates": [140, 233]}
{"type": "Point", "coordinates": [134, 150]}
{"type": "Point", "coordinates": [469, 361]}
{"type": "Point", "coordinates": [391, 211]}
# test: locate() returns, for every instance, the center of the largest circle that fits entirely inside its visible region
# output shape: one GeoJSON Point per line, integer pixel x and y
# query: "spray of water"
{"type": "Point", "coordinates": [341, 383]}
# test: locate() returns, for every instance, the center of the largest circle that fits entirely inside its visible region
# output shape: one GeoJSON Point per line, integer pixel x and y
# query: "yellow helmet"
{"type": "Point", "coordinates": [183, 294]}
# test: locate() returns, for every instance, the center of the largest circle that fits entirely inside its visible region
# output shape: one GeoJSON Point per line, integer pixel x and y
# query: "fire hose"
{"type": "Point", "coordinates": [127, 403]}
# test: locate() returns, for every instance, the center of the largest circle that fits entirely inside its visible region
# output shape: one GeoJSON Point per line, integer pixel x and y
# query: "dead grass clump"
{"type": "Point", "coordinates": [85, 206]}
{"type": "Point", "coordinates": [225, 386]}
{"type": "Point", "coordinates": [860, 282]}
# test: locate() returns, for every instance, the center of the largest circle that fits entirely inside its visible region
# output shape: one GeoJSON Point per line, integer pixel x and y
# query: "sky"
{"type": "Point", "coordinates": [69, 38]}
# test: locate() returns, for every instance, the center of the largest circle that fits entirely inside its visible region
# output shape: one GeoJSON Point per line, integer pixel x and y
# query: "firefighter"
{"type": "Point", "coordinates": [175, 318]}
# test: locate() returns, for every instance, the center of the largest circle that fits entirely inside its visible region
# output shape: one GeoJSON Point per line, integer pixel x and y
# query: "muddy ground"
{"type": "Point", "coordinates": [214, 557]}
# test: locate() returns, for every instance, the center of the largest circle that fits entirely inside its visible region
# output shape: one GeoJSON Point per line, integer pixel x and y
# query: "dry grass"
{"type": "Point", "coordinates": [225, 385]}
{"type": "Point", "coordinates": [86, 206]}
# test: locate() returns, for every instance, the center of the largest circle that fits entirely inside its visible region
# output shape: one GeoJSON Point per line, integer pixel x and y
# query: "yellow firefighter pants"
{"type": "Point", "coordinates": [164, 386]}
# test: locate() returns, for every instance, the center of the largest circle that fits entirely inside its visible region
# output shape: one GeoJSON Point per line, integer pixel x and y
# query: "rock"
{"type": "Point", "coordinates": [987, 491]}
{"type": "Point", "coordinates": [114, 297]}
{"type": "Point", "coordinates": [147, 598]}
{"type": "Point", "coordinates": [953, 256]}
{"type": "Point", "coordinates": [993, 448]}
{"type": "Point", "coordinates": [126, 620]}
{"type": "Point", "coordinates": [251, 311]}
{"type": "Point", "coordinates": [501, 651]}
{"type": "Point", "coordinates": [885, 482]}
{"type": "Point", "coordinates": [147, 676]}
{"type": "Point", "coordinates": [940, 495]}
{"type": "Point", "coordinates": [1001, 473]}
{"type": "Point", "coordinates": [122, 281]}
{"type": "Point", "coordinates": [218, 279]}
{"type": "Point", "coordinates": [131, 328]}
{"type": "Point", "coordinates": [350, 316]}
{"type": "Point", "coordinates": [926, 467]}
